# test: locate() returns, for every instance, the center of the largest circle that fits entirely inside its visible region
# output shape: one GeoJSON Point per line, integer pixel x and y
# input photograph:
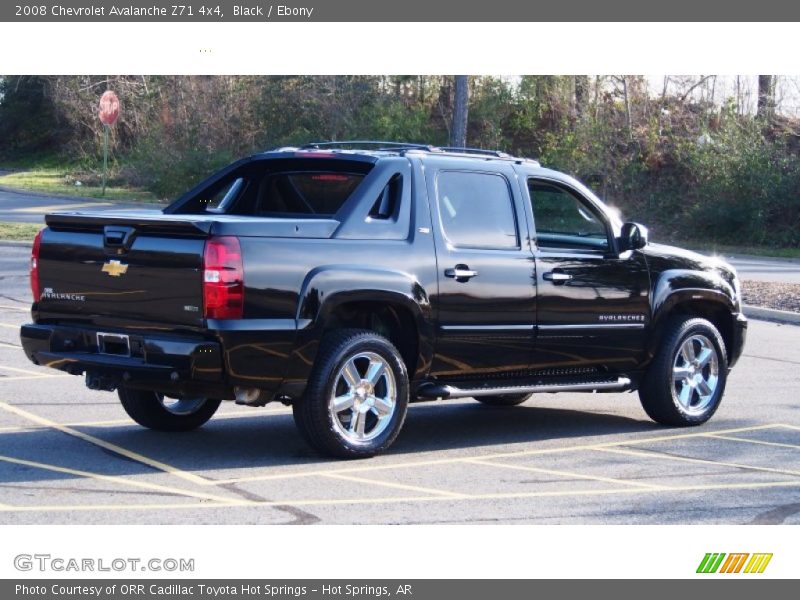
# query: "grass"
{"type": "Point", "coordinates": [56, 175]}
{"type": "Point", "coordinates": [24, 232]}
{"type": "Point", "coordinates": [62, 182]}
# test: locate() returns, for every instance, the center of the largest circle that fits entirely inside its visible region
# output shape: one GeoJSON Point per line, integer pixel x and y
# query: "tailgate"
{"type": "Point", "coordinates": [130, 267]}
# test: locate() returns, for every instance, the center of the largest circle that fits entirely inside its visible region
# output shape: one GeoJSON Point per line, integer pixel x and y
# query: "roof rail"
{"type": "Point", "coordinates": [495, 153]}
{"type": "Point", "coordinates": [368, 144]}
{"type": "Point", "coordinates": [403, 146]}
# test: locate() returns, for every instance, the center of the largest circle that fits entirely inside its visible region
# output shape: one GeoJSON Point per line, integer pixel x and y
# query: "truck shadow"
{"type": "Point", "coordinates": [225, 446]}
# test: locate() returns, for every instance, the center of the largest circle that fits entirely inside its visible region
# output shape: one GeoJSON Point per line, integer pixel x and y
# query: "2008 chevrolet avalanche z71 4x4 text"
{"type": "Point", "coordinates": [349, 279]}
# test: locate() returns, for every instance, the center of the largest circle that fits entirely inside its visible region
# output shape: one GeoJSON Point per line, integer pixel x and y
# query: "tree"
{"type": "Point", "coordinates": [766, 96]}
{"type": "Point", "coordinates": [581, 95]}
{"type": "Point", "coordinates": [458, 136]}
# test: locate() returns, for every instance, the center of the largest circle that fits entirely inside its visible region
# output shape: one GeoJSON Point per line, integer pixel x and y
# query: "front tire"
{"type": "Point", "coordinates": [685, 382]}
{"type": "Point", "coordinates": [357, 396]}
{"type": "Point", "coordinates": [155, 411]}
{"type": "Point", "coordinates": [503, 400]}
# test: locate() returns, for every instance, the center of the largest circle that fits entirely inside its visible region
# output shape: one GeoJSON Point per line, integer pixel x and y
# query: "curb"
{"type": "Point", "coordinates": [771, 314]}
{"type": "Point", "coordinates": [15, 244]}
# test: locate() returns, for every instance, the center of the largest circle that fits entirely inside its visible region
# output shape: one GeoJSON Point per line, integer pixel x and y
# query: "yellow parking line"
{"type": "Point", "coordinates": [115, 479]}
{"type": "Point", "coordinates": [569, 474]}
{"type": "Point", "coordinates": [9, 326]}
{"type": "Point", "coordinates": [217, 417]}
{"type": "Point", "coordinates": [29, 377]}
{"type": "Point", "coordinates": [795, 427]}
{"type": "Point", "coordinates": [662, 438]}
{"type": "Point", "coordinates": [227, 416]}
{"type": "Point", "coordinates": [449, 461]}
{"type": "Point", "coordinates": [18, 308]}
{"type": "Point", "coordinates": [104, 444]}
{"type": "Point", "coordinates": [18, 428]}
{"type": "Point", "coordinates": [698, 461]}
{"type": "Point", "coordinates": [24, 371]}
{"type": "Point", "coordinates": [399, 486]}
{"type": "Point", "coordinates": [619, 491]}
{"type": "Point", "coordinates": [750, 441]}
{"type": "Point", "coordinates": [4, 345]}
{"type": "Point", "coordinates": [111, 507]}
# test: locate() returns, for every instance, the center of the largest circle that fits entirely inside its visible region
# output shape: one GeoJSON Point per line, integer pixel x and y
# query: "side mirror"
{"type": "Point", "coordinates": [632, 237]}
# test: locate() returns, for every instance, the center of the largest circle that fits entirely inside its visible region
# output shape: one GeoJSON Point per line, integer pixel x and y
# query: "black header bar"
{"type": "Point", "coordinates": [399, 11]}
{"type": "Point", "coordinates": [739, 588]}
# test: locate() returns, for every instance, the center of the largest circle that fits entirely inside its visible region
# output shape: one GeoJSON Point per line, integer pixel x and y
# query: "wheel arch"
{"type": "Point", "coordinates": [712, 305]}
{"type": "Point", "coordinates": [391, 303]}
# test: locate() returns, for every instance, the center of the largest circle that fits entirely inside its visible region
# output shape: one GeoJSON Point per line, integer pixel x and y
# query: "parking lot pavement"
{"type": "Point", "coordinates": [70, 455]}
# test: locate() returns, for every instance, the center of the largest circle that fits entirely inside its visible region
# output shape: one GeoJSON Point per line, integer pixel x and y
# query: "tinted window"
{"type": "Point", "coordinates": [388, 203]}
{"type": "Point", "coordinates": [224, 196]}
{"type": "Point", "coordinates": [476, 210]}
{"type": "Point", "coordinates": [305, 193]}
{"type": "Point", "coordinates": [562, 220]}
{"type": "Point", "coordinates": [217, 198]}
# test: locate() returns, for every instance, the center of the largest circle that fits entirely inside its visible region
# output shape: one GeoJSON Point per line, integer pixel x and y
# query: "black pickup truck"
{"type": "Point", "coordinates": [349, 279]}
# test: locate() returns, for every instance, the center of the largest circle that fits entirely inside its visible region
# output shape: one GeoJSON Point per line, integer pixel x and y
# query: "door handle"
{"type": "Point", "coordinates": [460, 272]}
{"type": "Point", "coordinates": [556, 277]}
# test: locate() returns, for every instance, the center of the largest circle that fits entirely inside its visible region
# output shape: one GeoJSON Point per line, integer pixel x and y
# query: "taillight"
{"type": "Point", "coordinates": [223, 279]}
{"type": "Point", "coordinates": [37, 244]}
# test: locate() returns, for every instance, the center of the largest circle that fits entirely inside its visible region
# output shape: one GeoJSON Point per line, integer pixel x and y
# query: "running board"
{"type": "Point", "coordinates": [433, 390]}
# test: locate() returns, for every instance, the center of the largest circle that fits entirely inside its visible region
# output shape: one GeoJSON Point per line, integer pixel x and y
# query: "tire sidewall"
{"type": "Point", "coordinates": [690, 328]}
{"type": "Point", "coordinates": [387, 351]}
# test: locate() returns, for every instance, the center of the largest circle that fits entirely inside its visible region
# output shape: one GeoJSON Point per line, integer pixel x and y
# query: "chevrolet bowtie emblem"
{"type": "Point", "coordinates": [115, 268]}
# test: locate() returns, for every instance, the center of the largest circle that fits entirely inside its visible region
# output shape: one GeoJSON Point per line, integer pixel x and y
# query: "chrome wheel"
{"type": "Point", "coordinates": [364, 397]}
{"type": "Point", "coordinates": [181, 406]}
{"type": "Point", "coordinates": [695, 374]}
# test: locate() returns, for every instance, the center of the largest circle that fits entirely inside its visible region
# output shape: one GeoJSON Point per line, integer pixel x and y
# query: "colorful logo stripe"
{"type": "Point", "coordinates": [713, 562]}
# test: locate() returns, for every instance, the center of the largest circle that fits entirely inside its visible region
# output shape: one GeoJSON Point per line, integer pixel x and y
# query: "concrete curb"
{"type": "Point", "coordinates": [771, 314]}
{"type": "Point", "coordinates": [15, 244]}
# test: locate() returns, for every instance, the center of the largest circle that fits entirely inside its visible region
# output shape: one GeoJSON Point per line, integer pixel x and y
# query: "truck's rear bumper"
{"type": "Point", "coordinates": [152, 360]}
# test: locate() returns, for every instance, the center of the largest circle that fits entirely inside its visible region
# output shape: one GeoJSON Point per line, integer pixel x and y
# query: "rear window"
{"type": "Point", "coordinates": [305, 193]}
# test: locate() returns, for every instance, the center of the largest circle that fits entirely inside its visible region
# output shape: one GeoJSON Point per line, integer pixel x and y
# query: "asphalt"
{"type": "Point", "coordinates": [70, 455]}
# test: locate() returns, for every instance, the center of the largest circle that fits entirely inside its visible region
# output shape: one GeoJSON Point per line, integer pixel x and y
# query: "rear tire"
{"type": "Point", "coordinates": [357, 396]}
{"type": "Point", "coordinates": [503, 400]}
{"type": "Point", "coordinates": [154, 411]}
{"type": "Point", "coordinates": [685, 382]}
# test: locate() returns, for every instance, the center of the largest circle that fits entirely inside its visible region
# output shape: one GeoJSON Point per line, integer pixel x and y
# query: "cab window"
{"type": "Point", "coordinates": [564, 221]}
